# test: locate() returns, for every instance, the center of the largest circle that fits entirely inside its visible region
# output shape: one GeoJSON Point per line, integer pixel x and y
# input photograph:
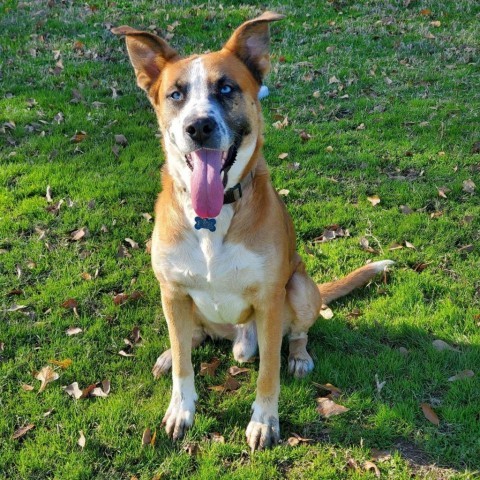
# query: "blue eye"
{"type": "Point", "coordinates": [176, 95]}
{"type": "Point", "coordinates": [226, 89]}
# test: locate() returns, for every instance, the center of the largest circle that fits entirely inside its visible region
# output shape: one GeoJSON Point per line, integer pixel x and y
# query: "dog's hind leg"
{"type": "Point", "coordinates": [245, 344]}
{"type": "Point", "coordinates": [164, 361]}
{"type": "Point", "coordinates": [301, 311]}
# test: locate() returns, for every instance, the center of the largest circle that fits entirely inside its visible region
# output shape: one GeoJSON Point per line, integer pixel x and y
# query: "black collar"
{"type": "Point", "coordinates": [235, 193]}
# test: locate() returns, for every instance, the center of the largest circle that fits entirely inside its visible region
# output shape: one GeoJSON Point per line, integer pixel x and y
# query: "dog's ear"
{"type": "Point", "coordinates": [148, 54]}
{"type": "Point", "coordinates": [251, 42]}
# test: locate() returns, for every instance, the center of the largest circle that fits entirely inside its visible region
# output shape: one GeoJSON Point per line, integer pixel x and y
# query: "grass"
{"type": "Point", "coordinates": [417, 97]}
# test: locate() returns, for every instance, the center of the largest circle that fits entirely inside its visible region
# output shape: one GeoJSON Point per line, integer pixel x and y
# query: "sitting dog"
{"type": "Point", "coordinates": [223, 246]}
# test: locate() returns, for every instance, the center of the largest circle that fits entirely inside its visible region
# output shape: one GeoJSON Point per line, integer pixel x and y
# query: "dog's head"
{"type": "Point", "coordinates": [206, 105]}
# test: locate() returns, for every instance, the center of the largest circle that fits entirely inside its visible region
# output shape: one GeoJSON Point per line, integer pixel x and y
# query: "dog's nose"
{"type": "Point", "coordinates": [201, 129]}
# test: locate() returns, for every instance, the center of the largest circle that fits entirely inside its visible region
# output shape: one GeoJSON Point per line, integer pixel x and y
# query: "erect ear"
{"type": "Point", "coordinates": [148, 54]}
{"type": "Point", "coordinates": [251, 42]}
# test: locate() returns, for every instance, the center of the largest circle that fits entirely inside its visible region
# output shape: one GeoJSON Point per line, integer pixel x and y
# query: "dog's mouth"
{"type": "Point", "coordinates": [207, 185]}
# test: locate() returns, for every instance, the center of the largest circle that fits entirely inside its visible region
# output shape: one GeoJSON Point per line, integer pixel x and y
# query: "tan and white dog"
{"type": "Point", "coordinates": [223, 246]}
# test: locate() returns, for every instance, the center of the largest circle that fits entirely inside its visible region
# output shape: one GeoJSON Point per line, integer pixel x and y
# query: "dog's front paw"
{"type": "Point", "coordinates": [179, 416]}
{"type": "Point", "coordinates": [300, 365]}
{"type": "Point", "coordinates": [263, 431]}
{"type": "Point", "coordinates": [163, 364]}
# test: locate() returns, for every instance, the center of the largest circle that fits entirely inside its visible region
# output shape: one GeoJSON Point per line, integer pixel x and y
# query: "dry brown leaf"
{"type": "Point", "coordinates": [425, 12]}
{"type": "Point", "coordinates": [442, 192]}
{"type": "Point", "coordinates": [352, 465]}
{"type": "Point", "coordinates": [81, 440]}
{"type": "Point", "coordinates": [73, 331]}
{"type": "Point", "coordinates": [296, 439]}
{"type": "Point", "coordinates": [469, 186]}
{"type": "Point", "coordinates": [374, 200]}
{"type": "Point", "coordinates": [27, 388]}
{"type": "Point", "coordinates": [335, 392]}
{"type": "Point", "coordinates": [73, 390]}
{"type": "Point", "coordinates": [192, 449]}
{"type": "Point", "coordinates": [440, 345]}
{"type": "Point", "coordinates": [46, 375]}
{"type": "Point", "coordinates": [409, 245]}
{"type": "Point", "coordinates": [70, 303]}
{"type": "Point", "coordinates": [16, 308]}
{"type": "Point", "coordinates": [147, 217]}
{"type": "Point", "coordinates": [284, 192]}
{"type": "Point", "coordinates": [283, 156]}
{"type": "Point", "coordinates": [462, 375]}
{"type": "Point", "coordinates": [123, 252]}
{"type": "Point", "coordinates": [234, 371]}
{"type": "Point", "coordinates": [435, 23]}
{"type": "Point", "coordinates": [371, 466]}
{"type": "Point", "coordinates": [430, 415]}
{"type": "Point", "coordinates": [121, 140]}
{"type": "Point", "coordinates": [280, 125]}
{"type": "Point", "coordinates": [132, 243]}
{"type": "Point", "coordinates": [380, 455]}
{"type": "Point", "coordinates": [123, 353]}
{"type": "Point", "coordinates": [77, 235]}
{"type": "Point", "coordinates": [395, 246]}
{"type": "Point", "coordinates": [209, 368]}
{"type": "Point", "coordinates": [304, 136]}
{"type": "Point", "coordinates": [121, 298]}
{"type": "Point", "coordinates": [79, 137]}
{"type": "Point", "coordinates": [19, 433]}
{"type": "Point", "coordinates": [328, 408]}
{"type": "Point", "coordinates": [64, 364]}
{"type": "Point", "coordinates": [86, 276]}
{"type": "Point", "coordinates": [101, 391]}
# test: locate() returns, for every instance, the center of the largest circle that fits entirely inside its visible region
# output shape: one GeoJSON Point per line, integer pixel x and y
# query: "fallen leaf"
{"type": "Point", "coordinates": [73, 331]}
{"type": "Point", "coordinates": [132, 243]}
{"type": "Point", "coordinates": [46, 375]}
{"type": "Point", "coordinates": [209, 368]}
{"type": "Point", "coordinates": [365, 244]}
{"type": "Point", "coordinates": [27, 388]}
{"type": "Point", "coordinates": [435, 23]}
{"type": "Point", "coordinates": [409, 245]}
{"type": "Point", "coordinates": [146, 437]}
{"type": "Point", "coordinates": [335, 392]}
{"type": "Point", "coordinates": [121, 140]}
{"type": "Point", "coordinates": [280, 125]}
{"type": "Point", "coordinates": [469, 186]}
{"type": "Point", "coordinates": [234, 371]}
{"type": "Point", "coordinates": [121, 298]}
{"type": "Point", "coordinates": [48, 413]}
{"type": "Point", "coordinates": [371, 466]}
{"type": "Point", "coordinates": [22, 431]}
{"type": "Point", "coordinates": [380, 455]}
{"type": "Point", "coordinates": [284, 192]}
{"type": "Point", "coordinates": [73, 390]}
{"type": "Point", "coordinates": [328, 408]}
{"type": "Point", "coordinates": [283, 156]}
{"type": "Point", "coordinates": [425, 12]}
{"type": "Point", "coordinates": [63, 364]}
{"type": "Point", "coordinates": [81, 440]}
{"type": "Point", "coordinates": [70, 303]}
{"type": "Point", "coordinates": [395, 246]}
{"type": "Point", "coordinates": [77, 235]}
{"type": "Point", "coordinates": [333, 79]}
{"type": "Point", "coordinates": [147, 217]}
{"type": "Point", "coordinates": [355, 313]}
{"type": "Point", "coordinates": [16, 308]}
{"type": "Point", "coordinates": [295, 439]}
{"type": "Point", "coordinates": [191, 449]}
{"type": "Point", "coordinates": [15, 291]}
{"type": "Point", "coordinates": [123, 252]}
{"type": "Point", "coordinates": [466, 249]}
{"type": "Point", "coordinates": [361, 127]}
{"type": "Point", "coordinates": [329, 149]}
{"type": "Point", "coordinates": [123, 353]}
{"type": "Point", "coordinates": [86, 276]}
{"type": "Point", "coordinates": [352, 464]}
{"type": "Point", "coordinates": [148, 246]}
{"type": "Point", "coordinates": [304, 136]}
{"type": "Point", "coordinates": [440, 345]}
{"type": "Point", "coordinates": [430, 415]}
{"type": "Point", "coordinates": [374, 200]}
{"type": "Point", "coordinates": [79, 137]}
{"type": "Point", "coordinates": [101, 391]}
{"type": "Point", "coordinates": [462, 375]}
{"type": "Point", "coordinates": [442, 192]}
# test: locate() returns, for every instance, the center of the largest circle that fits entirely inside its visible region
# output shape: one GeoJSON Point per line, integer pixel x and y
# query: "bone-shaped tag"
{"type": "Point", "coordinates": [208, 223]}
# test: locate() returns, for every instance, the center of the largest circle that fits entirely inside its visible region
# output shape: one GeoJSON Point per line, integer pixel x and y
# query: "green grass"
{"type": "Point", "coordinates": [396, 79]}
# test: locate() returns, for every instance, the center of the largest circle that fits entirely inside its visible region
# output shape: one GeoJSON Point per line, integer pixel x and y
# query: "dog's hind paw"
{"type": "Point", "coordinates": [300, 365]}
{"type": "Point", "coordinates": [163, 364]}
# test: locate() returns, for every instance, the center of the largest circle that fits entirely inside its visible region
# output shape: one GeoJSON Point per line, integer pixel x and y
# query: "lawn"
{"type": "Point", "coordinates": [369, 100]}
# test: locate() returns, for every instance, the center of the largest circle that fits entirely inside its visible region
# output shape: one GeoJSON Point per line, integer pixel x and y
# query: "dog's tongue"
{"type": "Point", "coordinates": [206, 183]}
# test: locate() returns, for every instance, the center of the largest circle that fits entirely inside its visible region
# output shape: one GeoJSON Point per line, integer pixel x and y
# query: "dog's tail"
{"type": "Point", "coordinates": [333, 290]}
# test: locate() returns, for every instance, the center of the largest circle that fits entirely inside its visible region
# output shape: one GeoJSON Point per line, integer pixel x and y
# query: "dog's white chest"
{"type": "Point", "coordinates": [216, 274]}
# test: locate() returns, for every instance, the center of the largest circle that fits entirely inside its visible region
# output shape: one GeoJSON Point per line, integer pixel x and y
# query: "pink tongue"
{"type": "Point", "coordinates": [206, 183]}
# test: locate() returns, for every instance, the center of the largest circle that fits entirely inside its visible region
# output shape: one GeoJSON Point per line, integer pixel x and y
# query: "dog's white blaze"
{"type": "Point", "coordinates": [214, 273]}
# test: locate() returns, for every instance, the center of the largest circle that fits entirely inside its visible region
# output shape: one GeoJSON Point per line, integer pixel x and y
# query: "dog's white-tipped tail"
{"type": "Point", "coordinates": [339, 288]}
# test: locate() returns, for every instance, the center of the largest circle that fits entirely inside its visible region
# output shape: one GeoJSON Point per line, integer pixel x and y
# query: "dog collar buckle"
{"type": "Point", "coordinates": [207, 223]}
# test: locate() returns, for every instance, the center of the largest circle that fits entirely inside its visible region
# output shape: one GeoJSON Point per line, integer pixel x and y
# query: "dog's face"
{"type": "Point", "coordinates": [206, 106]}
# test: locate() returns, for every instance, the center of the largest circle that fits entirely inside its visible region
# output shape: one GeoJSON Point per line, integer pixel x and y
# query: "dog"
{"type": "Point", "coordinates": [223, 245]}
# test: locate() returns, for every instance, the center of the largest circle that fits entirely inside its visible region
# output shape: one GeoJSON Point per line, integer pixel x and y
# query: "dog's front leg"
{"type": "Point", "coordinates": [264, 429]}
{"type": "Point", "coordinates": [177, 307]}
